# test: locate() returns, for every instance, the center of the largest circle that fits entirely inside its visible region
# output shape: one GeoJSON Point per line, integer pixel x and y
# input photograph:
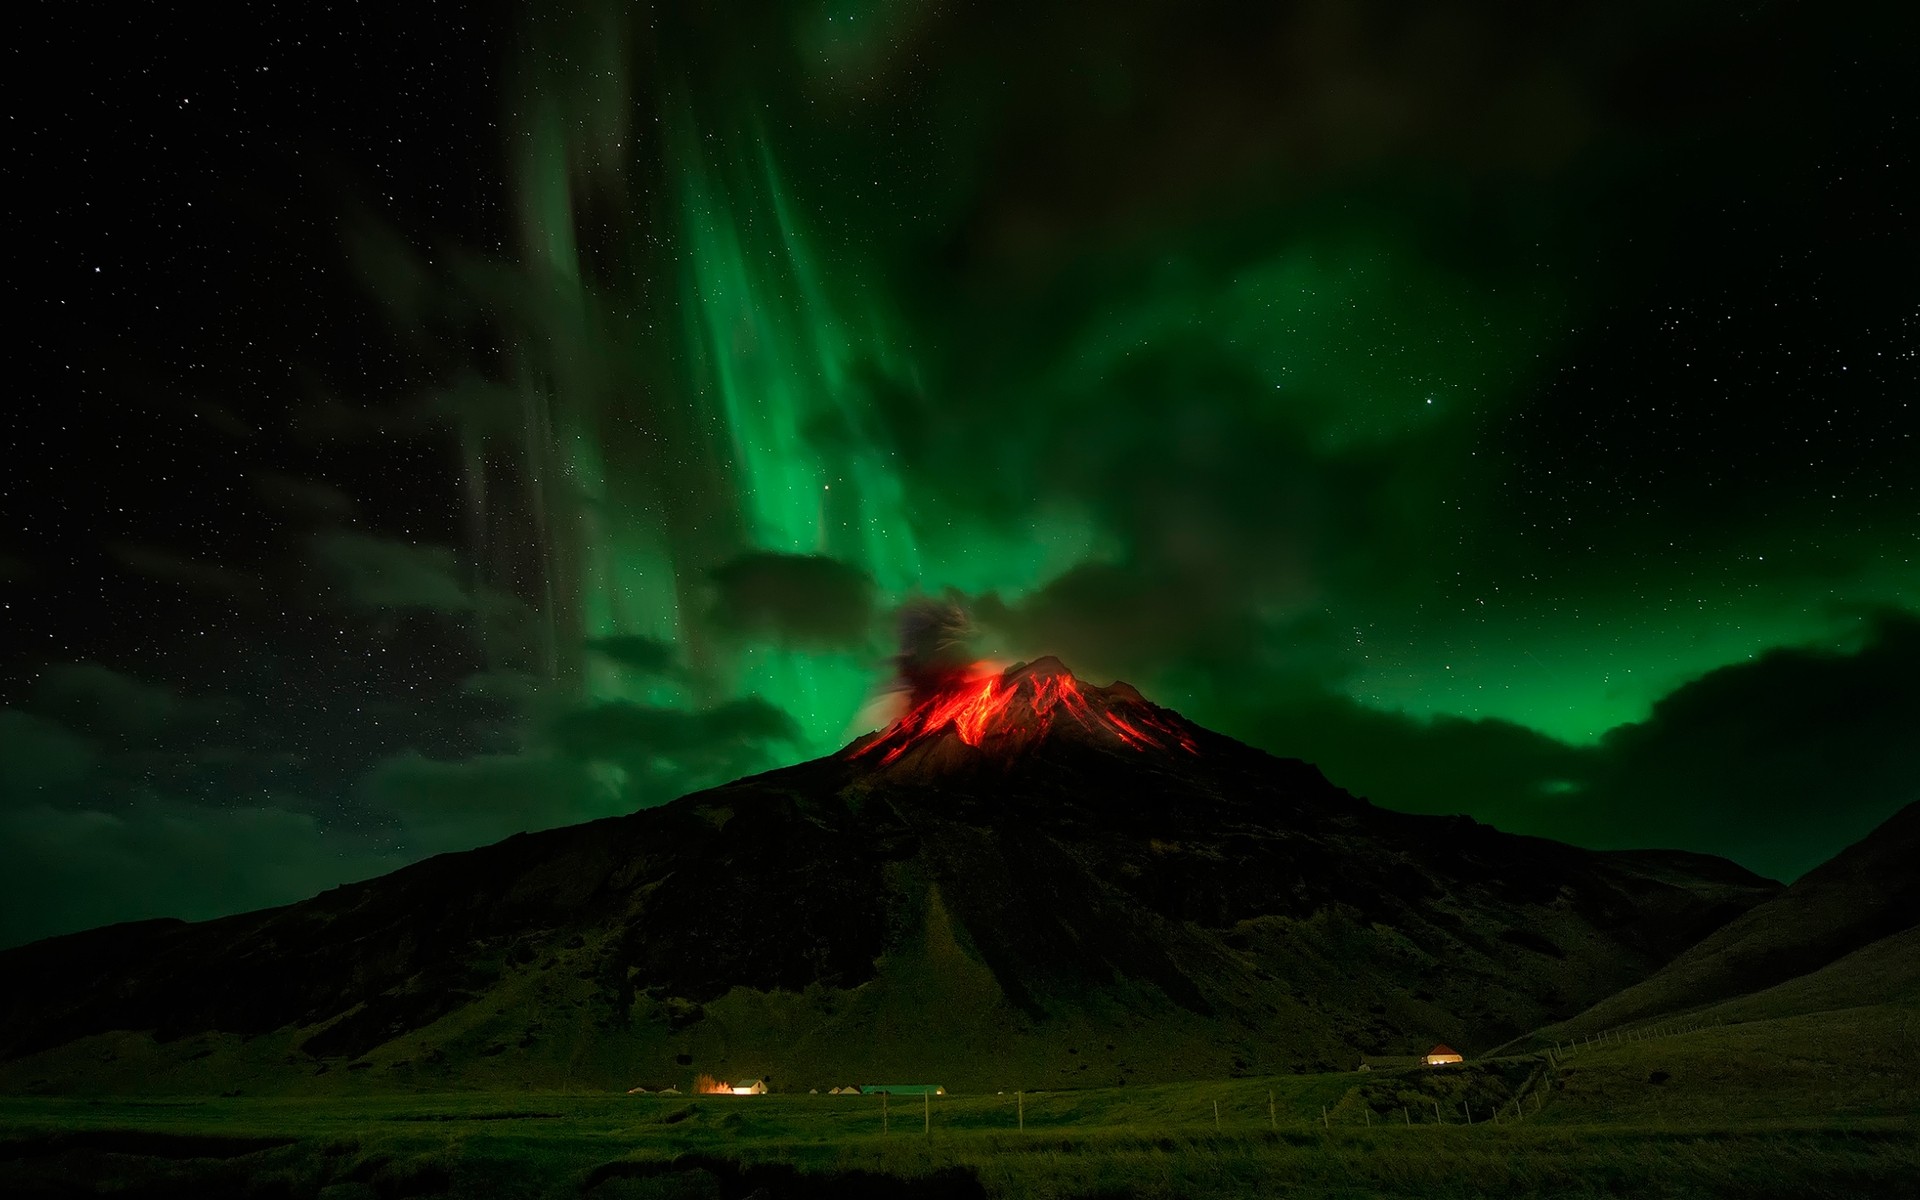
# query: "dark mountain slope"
{"type": "Point", "coordinates": [1026, 881]}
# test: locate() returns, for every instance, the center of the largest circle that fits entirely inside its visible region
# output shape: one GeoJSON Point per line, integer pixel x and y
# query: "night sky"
{"type": "Point", "coordinates": [434, 422]}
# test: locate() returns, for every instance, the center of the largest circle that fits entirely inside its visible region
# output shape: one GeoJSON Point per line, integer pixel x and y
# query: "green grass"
{"type": "Point", "coordinates": [1818, 1105]}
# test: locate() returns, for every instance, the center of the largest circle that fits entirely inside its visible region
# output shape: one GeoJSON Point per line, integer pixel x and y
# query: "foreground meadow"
{"type": "Point", "coordinates": [1707, 1113]}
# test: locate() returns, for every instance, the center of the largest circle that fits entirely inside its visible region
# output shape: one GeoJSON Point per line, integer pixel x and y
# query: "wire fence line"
{"type": "Point", "coordinates": [1562, 1050]}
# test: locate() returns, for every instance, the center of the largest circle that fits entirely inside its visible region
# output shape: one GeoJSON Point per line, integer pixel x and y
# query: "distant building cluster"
{"type": "Point", "coordinates": [706, 1085]}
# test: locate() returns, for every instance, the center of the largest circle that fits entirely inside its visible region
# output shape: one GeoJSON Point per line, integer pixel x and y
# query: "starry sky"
{"type": "Point", "coordinates": [442, 421]}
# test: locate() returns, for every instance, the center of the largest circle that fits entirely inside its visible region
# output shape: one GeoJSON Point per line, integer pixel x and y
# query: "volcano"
{"type": "Point", "coordinates": [999, 715]}
{"type": "Point", "coordinates": [1026, 881]}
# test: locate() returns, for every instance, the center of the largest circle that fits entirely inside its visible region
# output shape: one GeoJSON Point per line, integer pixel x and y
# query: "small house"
{"type": "Point", "coordinates": [1442, 1055]}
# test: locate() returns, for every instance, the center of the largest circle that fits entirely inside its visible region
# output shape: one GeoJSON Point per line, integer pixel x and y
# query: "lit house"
{"type": "Point", "coordinates": [1442, 1055]}
{"type": "Point", "coordinates": [707, 1085]}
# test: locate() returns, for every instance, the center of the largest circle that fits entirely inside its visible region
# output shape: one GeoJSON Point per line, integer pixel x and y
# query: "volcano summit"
{"type": "Point", "coordinates": [1026, 881]}
{"type": "Point", "coordinates": [1005, 713]}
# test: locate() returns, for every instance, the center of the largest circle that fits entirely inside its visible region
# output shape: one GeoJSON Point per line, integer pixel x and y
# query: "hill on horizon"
{"type": "Point", "coordinates": [1845, 934]}
{"type": "Point", "coordinates": [1026, 882]}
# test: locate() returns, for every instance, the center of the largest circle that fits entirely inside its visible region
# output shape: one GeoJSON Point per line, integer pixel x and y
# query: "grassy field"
{"type": "Point", "coordinates": [1792, 1107]}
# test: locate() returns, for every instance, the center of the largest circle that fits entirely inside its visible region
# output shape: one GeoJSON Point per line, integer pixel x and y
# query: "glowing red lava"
{"type": "Point", "coordinates": [984, 703]}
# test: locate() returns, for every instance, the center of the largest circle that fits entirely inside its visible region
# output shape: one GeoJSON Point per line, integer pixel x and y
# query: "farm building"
{"type": "Point", "coordinates": [707, 1085]}
{"type": "Point", "coordinates": [902, 1089]}
{"type": "Point", "coordinates": [1442, 1055]}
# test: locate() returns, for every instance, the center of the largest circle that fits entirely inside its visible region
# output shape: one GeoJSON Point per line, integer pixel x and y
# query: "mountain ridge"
{"type": "Point", "coordinates": [997, 902]}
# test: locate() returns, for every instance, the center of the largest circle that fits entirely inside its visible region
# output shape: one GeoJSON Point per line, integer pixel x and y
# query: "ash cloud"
{"type": "Point", "coordinates": [936, 642]}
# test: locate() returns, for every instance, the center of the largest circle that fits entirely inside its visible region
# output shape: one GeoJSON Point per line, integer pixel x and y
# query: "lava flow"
{"type": "Point", "coordinates": [985, 706]}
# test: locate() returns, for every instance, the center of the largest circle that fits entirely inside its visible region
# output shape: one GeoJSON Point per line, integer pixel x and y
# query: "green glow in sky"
{"type": "Point", "coordinates": [1283, 431]}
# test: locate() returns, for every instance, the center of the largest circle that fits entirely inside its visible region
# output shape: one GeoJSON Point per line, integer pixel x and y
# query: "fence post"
{"type": "Point", "coordinates": [1325, 1123]}
{"type": "Point", "coordinates": [1216, 1116]}
{"type": "Point", "coordinates": [1020, 1099]}
{"type": "Point", "coordinates": [926, 1112]}
{"type": "Point", "coordinates": [883, 1113]}
{"type": "Point", "coordinates": [1468, 1109]}
{"type": "Point", "coordinates": [1273, 1122]}
{"type": "Point", "coordinates": [1406, 1116]}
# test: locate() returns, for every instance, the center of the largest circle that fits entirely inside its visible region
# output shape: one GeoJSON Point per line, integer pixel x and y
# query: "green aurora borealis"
{"type": "Point", "coordinates": [790, 357]}
{"type": "Point", "coordinates": [1457, 401]}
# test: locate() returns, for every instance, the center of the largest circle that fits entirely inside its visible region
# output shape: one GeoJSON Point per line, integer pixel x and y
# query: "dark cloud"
{"type": "Point", "coordinates": [794, 599]}
{"type": "Point", "coordinates": [605, 759]}
{"type": "Point", "coordinates": [1778, 762]}
{"type": "Point", "coordinates": [39, 758]}
{"type": "Point", "coordinates": [655, 753]}
{"type": "Point", "coordinates": [69, 869]}
{"type": "Point", "coordinates": [114, 706]}
{"type": "Point", "coordinates": [641, 655]}
{"type": "Point", "coordinates": [1499, 772]}
{"type": "Point", "coordinates": [648, 739]}
{"type": "Point", "coordinates": [521, 691]}
{"type": "Point", "coordinates": [457, 805]}
{"type": "Point", "coordinates": [1224, 509]}
{"type": "Point", "coordinates": [388, 574]}
{"type": "Point", "coordinates": [90, 833]}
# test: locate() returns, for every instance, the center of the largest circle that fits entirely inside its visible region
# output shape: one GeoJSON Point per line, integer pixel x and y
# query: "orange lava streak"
{"type": "Point", "coordinates": [983, 704]}
{"type": "Point", "coordinates": [1128, 734]}
{"type": "Point", "coordinates": [1139, 738]}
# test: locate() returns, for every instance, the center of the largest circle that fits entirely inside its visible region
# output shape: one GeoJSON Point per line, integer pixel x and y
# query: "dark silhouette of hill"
{"type": "Point", "coordinates": [1026, 882]}
{"type": "Point", "coordinates": [1841, 935]}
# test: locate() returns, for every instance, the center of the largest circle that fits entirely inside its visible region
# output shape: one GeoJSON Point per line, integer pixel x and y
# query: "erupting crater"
{"type": "Point", "coordinates": [1005, 711]}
